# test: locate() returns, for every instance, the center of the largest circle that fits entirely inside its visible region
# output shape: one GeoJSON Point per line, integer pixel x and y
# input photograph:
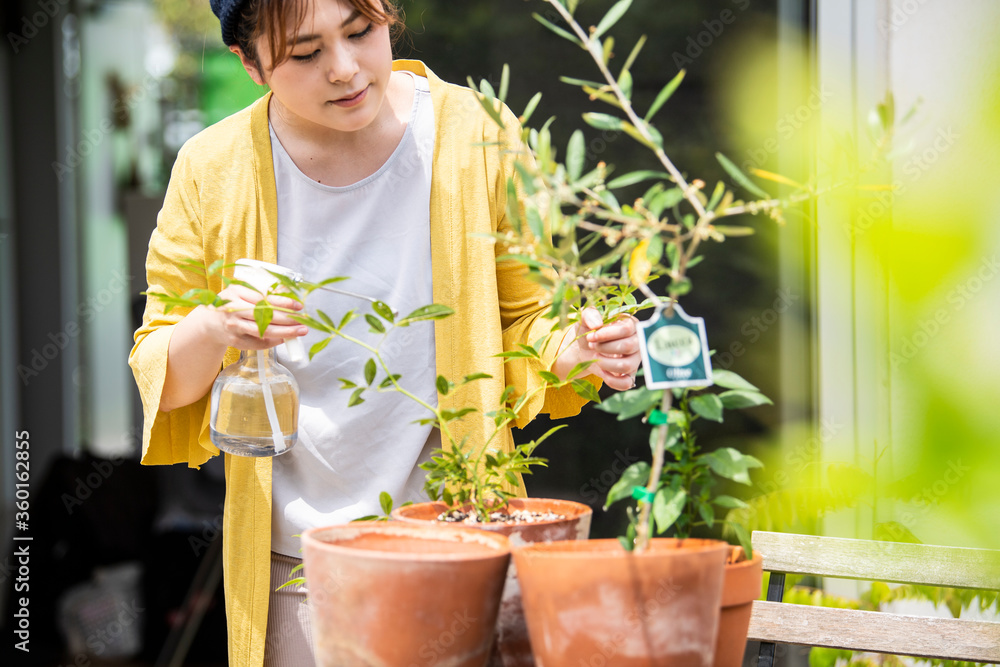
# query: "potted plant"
{"type": "Point", "coordinates": [469, 494]}
{"type": "Point", "coordinates": [690, 475]}
{"type": "Point", "coordinates": [441, 583]}
{"type": "Point", "coordinates": [601, 253]}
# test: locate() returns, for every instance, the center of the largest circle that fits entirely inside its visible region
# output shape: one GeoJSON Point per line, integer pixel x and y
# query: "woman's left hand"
{"type": "Point", "coordinates": [613, 347]}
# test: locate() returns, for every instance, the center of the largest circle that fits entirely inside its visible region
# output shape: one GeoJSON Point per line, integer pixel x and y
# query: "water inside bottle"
{"type": "Point", "coordinates": [241, 425]}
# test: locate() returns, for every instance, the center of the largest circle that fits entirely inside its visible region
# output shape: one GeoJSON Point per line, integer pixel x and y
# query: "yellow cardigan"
{"type": "Point", "coordinates": [221, 204]}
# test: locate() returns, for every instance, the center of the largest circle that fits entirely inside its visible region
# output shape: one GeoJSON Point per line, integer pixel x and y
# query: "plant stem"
{"type": "Point", "coordinates": [642, 530]}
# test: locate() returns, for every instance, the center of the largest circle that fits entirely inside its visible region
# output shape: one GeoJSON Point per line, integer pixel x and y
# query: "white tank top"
{"type": "Point", "coordinates": [377, 233]}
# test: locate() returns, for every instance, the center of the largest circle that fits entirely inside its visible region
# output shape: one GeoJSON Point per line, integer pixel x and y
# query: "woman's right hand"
{"type": "Point", "coordinates": [233, 324]}
{"type": "Point", "coordinates": [198, 342]}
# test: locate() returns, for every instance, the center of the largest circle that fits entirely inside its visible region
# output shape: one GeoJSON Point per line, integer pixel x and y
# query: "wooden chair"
{"type": "Point", "coordinates": [881, 632]}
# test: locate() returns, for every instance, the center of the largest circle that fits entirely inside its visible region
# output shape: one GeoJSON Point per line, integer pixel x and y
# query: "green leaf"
{"type": "Point", "coordinates": [384, 311]}
{"type": "Point", "coordinates": [672, 440]}
{"type": "Point", "coordinates": [535, 223]}
{"type": "Point", "coordinates": [631, 403]}
{"type": "Point", "coordinates": [298, 581]}
{"type": "Point", "coordinates": [579, 369]}
{"type": "Point", "coordinates": [655, 138]}
{"type": "Point", "coordinates": [734, 231]}
{"type": "Point", "coordinates": [515, 354]}
{"type": "Point", "coordinates": [476, 376]}
{"type": "Point", "coordinates": [435, 311]}
{"type": "Point", "coordinates": [348, 317]}
{"type": "Point", "coordinates": [486, 100]}
{"type": "Point", "coordinates": [375, 323]}
{"type": "Point", "coordinates": [513, 206]}
{"type": "Point", "coordinates": [504, 82]}
{"type": "Point", "coordinates": [742, 536]}
{"type": "Point", "coordinates": [215, 267]}
{"type": "Point", "coordinates": [389, 380]}
{"type": "Point", "coordinates": [667, 507]}
{"type": "Point", "coordinates": [318, 347]}
{"type": "Point", "coordinates": [310, 322]}
{"type": "Point", "coordinates": [720, 189]}
{"type": "Point", "coordinates": [665, 94]}
{"type": "Point", "coordinates": [556, 29]}
{"type": "Point", "coordinates": [731, 464]}
{"type": "Point", "coordinates": [356, 397]}
{"type": "Point", "coordinates": [452, 415]}
{"type": "Point", "coordinates": [385, 500]}
{"type": "Point", "coordinates": [627, 67]}
{"type": "Point", "coordinates": [730, 380]}
{"type": "Point", "coordinates": [582, 82]}
{"type": "Point", "coordinates": [603, 121]}
{"type": "Point", "coordinates": [741, 178]}
{"type": "Point", "coordinates": [708, 406]}
{"type": "Point", "coordinates": [625, 83]}
{"type": "Point", "coordinates": [549, 377]}
{"type": "Point", "coordinates": [634, 177]}
{"type": "Point", "coordinates": [608, 199]}
{"type": "Point", "coordinates": [736, 399]}
{"type": "Point", "coordinates": [664, 200]}
{"type": "Point", "coordinates": [654, 252]}
{"type": "Point", "coordinates": [262, 314]}
{"type": "Point", "coordinates": [575, 155]}
{"type": "Point", "coordinates": [347, 384]}
{"type": "Point", "coordinates": [331, 325]}
{"type": "Point", "coordinates": [707, 513]}
{"type": "Point", "coordinates": [330, 281]}
{"type": "Point", "coordinates": [370, 371]}
{"type": "Point", "coordinates": [729, 502]}
{"type": "Point", "coordinates": [586, 390]}
{"type": "Point", "coordinates": [635, 475]}
{"type": "Point", "coordinates": [529, 109]}
{"type": "Point", "coordinates": [614, 14]}
{"type": "Point", "coordinates": [443, 386]}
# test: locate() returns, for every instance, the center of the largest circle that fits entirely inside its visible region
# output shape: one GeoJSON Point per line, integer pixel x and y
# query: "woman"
{"type": "Point", "coordinates": [359, 166]}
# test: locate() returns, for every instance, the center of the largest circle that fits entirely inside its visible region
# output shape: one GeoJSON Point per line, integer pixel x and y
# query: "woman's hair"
{"type": "Point", "coordinates": [276, 18]}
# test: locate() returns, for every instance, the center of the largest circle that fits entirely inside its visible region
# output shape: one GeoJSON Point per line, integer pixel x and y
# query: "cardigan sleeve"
{"type": "Point", "coordinates": [523, 307]}
{"type": "Point", "coordinates": [175, 436]}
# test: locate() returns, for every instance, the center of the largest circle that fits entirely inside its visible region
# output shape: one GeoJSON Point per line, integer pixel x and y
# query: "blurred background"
{"type": "Point", "coordinates": [869, 318]}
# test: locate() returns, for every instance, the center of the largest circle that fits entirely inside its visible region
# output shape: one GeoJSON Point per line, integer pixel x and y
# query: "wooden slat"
{"type": "Point", "coordinates": [895, 562]}
{"type": "Point", "coordinates": [875, 631]}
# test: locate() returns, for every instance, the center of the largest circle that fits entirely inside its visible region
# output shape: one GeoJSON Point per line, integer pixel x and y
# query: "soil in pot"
{"type": "Point", "coordinates": [591, 602]}
{"type": "Point", "coordinates": [572, 522]}
{"type": "Point", "coordinates": [396, 595]}
{"type": "Point", "coordinates": [741, 587]}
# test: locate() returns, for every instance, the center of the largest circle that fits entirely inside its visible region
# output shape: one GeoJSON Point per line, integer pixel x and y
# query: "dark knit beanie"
{"type": "Point", "coordinates": [228, 12]}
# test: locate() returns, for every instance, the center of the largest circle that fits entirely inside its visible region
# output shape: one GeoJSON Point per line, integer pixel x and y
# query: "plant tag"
{"type": "Point", "coordinates": [674, 350]}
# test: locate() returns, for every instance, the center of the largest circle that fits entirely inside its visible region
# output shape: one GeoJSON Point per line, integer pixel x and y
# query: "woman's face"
{"type": "Point", "coordinates": [338, 70]}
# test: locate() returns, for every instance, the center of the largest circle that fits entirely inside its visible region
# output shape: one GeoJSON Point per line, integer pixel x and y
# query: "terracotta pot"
{"type": "Point", "coordinates": [395, 595]}
{"type": "Point", "coordinates": [593, 603]}
{"type": "Point", "coordinates": [513, 647]}
{"type": "Point", "coordinates": [740, 588]}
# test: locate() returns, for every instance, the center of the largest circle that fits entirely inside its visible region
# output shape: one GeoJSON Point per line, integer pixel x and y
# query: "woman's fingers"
{"type": "Point", "coordinates": [618, 382]}
{"type": "Point", "coordinates": [236, 319]}
{"type": "Point", "coordinates": [614, 348]}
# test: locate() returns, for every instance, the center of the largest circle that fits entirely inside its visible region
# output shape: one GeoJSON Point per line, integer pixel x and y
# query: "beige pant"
{"type": "Point", "coordinates": [289, 637]}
